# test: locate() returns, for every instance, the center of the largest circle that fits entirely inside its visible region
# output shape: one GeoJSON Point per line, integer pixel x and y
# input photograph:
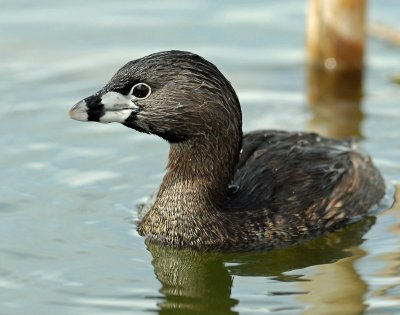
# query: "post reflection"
{"type": "Point", "coordinates": [388, 274]}
{"type": "Point", "coordinates": [334, 98]}
{"type": "Point", "coordinates": [202, 282]}
{"type": "Point", "coordinates": [336, 287]}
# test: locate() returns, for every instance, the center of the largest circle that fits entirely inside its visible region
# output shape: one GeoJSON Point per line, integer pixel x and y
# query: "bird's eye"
{"type": "Point", "coordinates": [141, 91]}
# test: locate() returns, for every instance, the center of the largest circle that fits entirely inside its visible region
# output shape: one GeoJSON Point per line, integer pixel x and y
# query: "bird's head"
{"type": "Point", "coordinates": [175, 95]}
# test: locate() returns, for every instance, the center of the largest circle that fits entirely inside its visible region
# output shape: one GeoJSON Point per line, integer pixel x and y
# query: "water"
{"type": "Point", "coordinates": [69, 190]}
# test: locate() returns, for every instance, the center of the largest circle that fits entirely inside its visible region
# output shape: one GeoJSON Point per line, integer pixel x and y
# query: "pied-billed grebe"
{"type": "Point", "coordinates": [221, 189]}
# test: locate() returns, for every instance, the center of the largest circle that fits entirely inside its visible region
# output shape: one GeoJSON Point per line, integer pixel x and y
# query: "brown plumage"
{"type": "Point", "coordinates": [223, 190]}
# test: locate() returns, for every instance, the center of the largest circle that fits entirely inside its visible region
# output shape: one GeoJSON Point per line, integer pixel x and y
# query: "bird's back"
{"type": "Point", "coordinates": [293, 185]}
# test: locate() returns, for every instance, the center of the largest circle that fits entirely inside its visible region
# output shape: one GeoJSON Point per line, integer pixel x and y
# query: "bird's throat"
{"type": "Point", "coordinates": [192, 193]}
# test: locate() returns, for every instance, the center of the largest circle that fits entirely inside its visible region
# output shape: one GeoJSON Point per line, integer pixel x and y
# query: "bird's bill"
{"type": "Point", "coordinates": [105, 108]}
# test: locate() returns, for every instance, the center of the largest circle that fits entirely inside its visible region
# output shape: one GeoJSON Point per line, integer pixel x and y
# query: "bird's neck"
{"type": "Point", "coordinates": [193, 190]}
{"type": "Point", "coordinates": [206, 165]}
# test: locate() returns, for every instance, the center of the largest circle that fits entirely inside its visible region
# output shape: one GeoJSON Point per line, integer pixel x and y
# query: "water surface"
{"type": "Point", "coordinates": [68, 190]}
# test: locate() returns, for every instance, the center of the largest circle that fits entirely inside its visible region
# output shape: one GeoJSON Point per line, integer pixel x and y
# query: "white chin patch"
{"type": "Point", "coordinates": [117, 107]}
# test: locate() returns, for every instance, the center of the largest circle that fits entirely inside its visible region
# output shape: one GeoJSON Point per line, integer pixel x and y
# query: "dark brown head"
{"type": "Point", "coordinates": [174, 94]}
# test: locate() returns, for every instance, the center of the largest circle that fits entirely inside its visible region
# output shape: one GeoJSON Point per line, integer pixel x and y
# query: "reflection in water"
{"type": "Point", "coordinates": [192, 281]}
{"type": "Point", "coordinates": [335, 101]}
{"type": "Point", "coordinates": [336, 287]}
{"type": "Point", "coordinates": [202, 282]}
{"type": "Point", "coordinates": [388, 292]}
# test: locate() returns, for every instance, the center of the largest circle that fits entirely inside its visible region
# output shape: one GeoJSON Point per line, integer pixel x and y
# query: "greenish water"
{"type": "Point", "coordinates": [68, 190]}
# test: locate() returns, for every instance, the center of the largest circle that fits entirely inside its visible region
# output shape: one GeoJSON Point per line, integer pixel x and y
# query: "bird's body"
{"type": "Point", "coordinates": [222, 190]}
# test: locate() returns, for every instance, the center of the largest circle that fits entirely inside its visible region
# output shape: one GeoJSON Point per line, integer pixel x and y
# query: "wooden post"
{"type": "Point", "coordinates": [336, 33]}
{"type": "Point", "coordinates": [335, 50]}
{"type": "Point", "coordinates": [334, 98]}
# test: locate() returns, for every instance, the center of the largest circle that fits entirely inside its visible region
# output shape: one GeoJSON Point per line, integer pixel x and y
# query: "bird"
{"type": "Point", "coordinates": [222, 189]}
